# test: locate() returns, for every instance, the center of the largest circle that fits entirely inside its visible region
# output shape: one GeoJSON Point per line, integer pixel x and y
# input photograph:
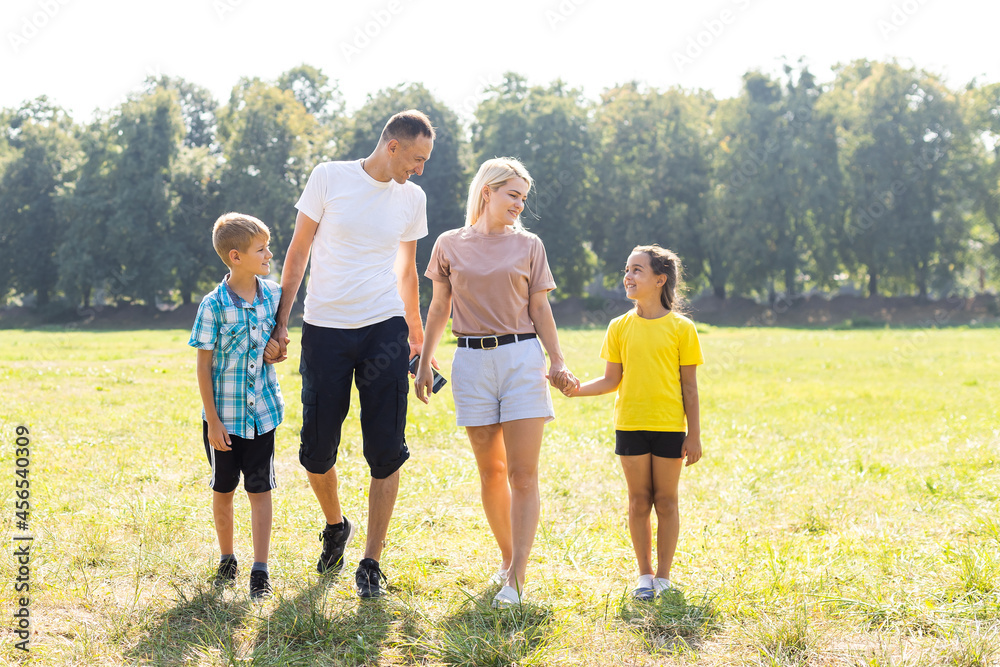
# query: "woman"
{"type": "Point", "coordinates": [497, 277]}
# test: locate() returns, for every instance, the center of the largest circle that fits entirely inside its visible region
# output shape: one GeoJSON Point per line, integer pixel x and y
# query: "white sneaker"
{"type": "Point", "coordinates": [644, 588]}
{"type": "Point", "coordinates": [507, 597]}
{"type": "Point", "coordinates": [661, 586]}
{"type": "Point", "coordinates": [499, 577]}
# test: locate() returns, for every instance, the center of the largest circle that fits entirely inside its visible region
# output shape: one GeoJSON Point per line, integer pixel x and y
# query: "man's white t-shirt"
{"type": "Point", "coordinates": [361, 224]}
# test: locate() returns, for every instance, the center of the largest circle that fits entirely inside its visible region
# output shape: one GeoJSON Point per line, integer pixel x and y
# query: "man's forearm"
{"type": "Point", "coordinates": [409, 291]}
{"type": "Point", "coordinates": [291, 278]}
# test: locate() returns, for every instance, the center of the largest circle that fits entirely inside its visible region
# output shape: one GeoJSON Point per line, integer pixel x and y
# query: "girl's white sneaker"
{"type": "Point", "coordinates": [500, 576]}
{"type": "Point", "coordinates": [507, 597]}
{"type": "Point", "coordinates": [661, 586]}
{"type": "Point", "coordinates": [644, 588]}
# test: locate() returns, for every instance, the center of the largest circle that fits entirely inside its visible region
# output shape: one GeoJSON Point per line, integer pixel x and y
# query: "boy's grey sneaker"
{"type": "Point", "coordinates": [335, 539]}
{"type": "Point", "coordinates": [260, 585]}
{"type": "Point", "coordinates": [368, 578]}
{"type": "Point", "coordinates": [227, 573]}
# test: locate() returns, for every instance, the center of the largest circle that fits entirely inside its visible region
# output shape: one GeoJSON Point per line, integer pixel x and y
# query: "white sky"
{"type": "Point", "coordinates": [88, 54]}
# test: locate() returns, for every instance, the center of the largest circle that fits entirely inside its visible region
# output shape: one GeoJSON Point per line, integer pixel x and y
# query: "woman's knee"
{"type": "Point", "coordinates": [523, 478]}
{"type": "Point", "coordinates": [493, 471]}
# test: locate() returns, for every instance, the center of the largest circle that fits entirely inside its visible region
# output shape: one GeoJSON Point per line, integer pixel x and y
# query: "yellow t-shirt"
{"type": "Point", "coordinates": [651, 353]}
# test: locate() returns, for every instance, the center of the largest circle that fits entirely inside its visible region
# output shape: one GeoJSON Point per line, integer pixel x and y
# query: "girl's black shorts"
{"type": "Point", "coordinates": [665, 444]}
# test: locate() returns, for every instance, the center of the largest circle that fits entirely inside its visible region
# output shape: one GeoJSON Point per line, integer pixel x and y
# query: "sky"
{"type": "Point", "coordinates": [87, 55]}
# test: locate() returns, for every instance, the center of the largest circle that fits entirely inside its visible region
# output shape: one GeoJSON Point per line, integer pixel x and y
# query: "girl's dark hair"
{"type": "Point", "coordinates": [665, 262]}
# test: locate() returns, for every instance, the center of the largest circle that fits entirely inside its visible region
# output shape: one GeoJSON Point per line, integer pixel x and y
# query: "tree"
{"type": "Point", "coordinates": [313, 90]}
{"type": "Point", "coordinates": [194, 187]}
{"type": "Point", "coordinates": [906, 160]}
{"type": "Point", "coordinates": [324, 102]}
{"type": "Point", "coordinates": [652, 174]}
{"type": "Point", "coordinates": [45, 154]}
{"type": "Point", "coordinates": [119, 214]}
{"type": "Point", "coordinates": [267, 141]}
{"type": "Point", "coordinates": [778, 182]}
{"type": "Point", "coordinates": [198, 108]}
{"type": "Point", "coordinates": [983, 109]}
{"type": "Point", "coordinates": [548, 129]}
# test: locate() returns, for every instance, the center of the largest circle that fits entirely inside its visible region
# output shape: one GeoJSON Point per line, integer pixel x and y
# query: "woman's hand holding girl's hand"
{"type": "Point", "coordinates": [571, 386]}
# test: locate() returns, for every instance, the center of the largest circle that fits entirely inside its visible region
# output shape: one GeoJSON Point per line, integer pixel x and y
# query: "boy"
{"type": "Point", "coordinates": [240, 394]}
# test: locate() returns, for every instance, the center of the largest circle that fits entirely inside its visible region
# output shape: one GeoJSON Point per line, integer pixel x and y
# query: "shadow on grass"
{"type": "Point", "coordinates": [670, 623]}
{"type": "Point", "coordinates": [197, 629]}
{"type": "Point", "coordinates": [478, 635]}
{"type": "Point", "coordinates": [314, 626]}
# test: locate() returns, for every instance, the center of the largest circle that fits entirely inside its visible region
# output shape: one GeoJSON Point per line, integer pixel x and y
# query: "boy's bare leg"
{"type": "Point", "coordinates": [381, 501]}
{"type": "Point", "coordinates": [222, 513]}
{"type": "Point", "coordinates": [260, 524]}
{"type": "Point", "coordinates": [325, 487]}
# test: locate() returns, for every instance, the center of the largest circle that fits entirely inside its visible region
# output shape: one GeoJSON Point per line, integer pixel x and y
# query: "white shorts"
{"type": "Point", "coordinates": [501, 385]}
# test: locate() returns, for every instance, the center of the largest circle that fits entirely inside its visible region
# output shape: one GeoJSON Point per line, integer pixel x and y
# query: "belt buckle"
{"type": "Point", "coordinates": [496, 342]}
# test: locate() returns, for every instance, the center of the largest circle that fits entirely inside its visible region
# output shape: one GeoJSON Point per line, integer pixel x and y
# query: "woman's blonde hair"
{"type": "Point", "coordinates": [493, 173]}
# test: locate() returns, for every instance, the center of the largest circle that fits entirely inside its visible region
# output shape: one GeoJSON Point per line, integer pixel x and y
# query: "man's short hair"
{"type": "Point", "coordinates": [407, 126]}
{"type": "Point", "coordinates": [236, 231]}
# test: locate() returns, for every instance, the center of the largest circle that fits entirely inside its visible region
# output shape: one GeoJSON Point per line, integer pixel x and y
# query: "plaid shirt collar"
{"type": "Point", "coordinates": [239, 302]}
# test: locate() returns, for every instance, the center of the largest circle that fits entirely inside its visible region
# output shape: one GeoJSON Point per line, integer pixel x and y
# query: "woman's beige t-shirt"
{"type": "Point", "coordinates": [492, 277]}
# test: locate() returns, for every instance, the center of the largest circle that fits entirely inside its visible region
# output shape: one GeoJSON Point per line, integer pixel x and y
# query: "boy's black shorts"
{"type": "Point", "coordinates": [375, 358]}
{"type": "Point", "coordinates": [254, 458]}
{"type": "Point", "coordinates": [665, 444]}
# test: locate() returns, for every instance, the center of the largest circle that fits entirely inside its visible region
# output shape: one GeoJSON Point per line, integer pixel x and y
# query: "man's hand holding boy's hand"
{"type": "Point", "coordinates": [272, 352]}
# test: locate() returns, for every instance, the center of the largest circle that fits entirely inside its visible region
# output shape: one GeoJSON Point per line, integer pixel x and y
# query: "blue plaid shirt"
{"type": "Point", "coordinates": [246, 389]}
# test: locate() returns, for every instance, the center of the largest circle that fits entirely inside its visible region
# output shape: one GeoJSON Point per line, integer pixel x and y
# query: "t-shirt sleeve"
{"type": "Point", "coordinates": [610, 350]}
{"type": "Point", "coordinates": [689, 345]}
{"type": "Point", "coordinates": [417, 228]}
{"type": "Point", "coordinates": [540, 277]}
{"type": "Point", "coordinates": [438, 267]}
{"type": "Point", "coordinates": [204, 331]}
{"type": "Point", "coordinates": [312, 200]}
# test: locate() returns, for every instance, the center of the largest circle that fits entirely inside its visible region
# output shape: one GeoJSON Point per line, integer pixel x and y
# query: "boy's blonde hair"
{"type": "Point", "coordinates": [236, 231]}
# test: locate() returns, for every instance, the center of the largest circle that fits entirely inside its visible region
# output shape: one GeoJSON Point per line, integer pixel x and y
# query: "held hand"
{"type": "Point", "coordinates": [218, 437]}
{"type": "Point", "coordinates": [271, 351]}
{"type": "Point", "coordinates": [691, 449]}
{"type": "Point", "coordinates": [571, 388]}
{"type": "Point", "coordinates": [557, 374]}
{"type": "Point", "coordinates": [279, 336]}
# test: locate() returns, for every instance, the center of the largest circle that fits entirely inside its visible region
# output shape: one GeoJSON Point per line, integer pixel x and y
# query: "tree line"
{"type": "Point", "coordinates": [883, 178]}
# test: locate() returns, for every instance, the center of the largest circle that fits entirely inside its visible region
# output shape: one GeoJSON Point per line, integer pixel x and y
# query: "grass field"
{"type": "Point", "coordinates": [846, 513]}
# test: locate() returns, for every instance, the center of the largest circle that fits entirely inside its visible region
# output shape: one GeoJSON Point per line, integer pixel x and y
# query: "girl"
{"type": "Point", "coordinates": [652, 353]}
{"type": "Point", "coordinates": [497, 277]}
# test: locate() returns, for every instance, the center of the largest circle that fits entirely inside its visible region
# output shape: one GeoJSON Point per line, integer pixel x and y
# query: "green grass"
{"type": "Point", "coordinates": [846, 513]}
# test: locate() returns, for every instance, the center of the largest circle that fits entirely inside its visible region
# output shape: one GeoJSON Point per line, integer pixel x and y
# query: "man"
{"type": "Point", "coordinates": [361, 220]}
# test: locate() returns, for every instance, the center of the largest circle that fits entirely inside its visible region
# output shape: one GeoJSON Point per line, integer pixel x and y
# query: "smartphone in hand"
{"type": "Point", "coordinates": [439, 380]}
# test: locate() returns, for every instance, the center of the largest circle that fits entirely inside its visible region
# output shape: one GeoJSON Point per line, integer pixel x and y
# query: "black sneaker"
{"type": "Point", "coordinates": [368, 578]}
{"type": "Point", "coordinates": [227, 573]}
{"type": "Point", "coordinates": [335, 539]}
{"type": "Point", "coordinates": [260, 585]}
